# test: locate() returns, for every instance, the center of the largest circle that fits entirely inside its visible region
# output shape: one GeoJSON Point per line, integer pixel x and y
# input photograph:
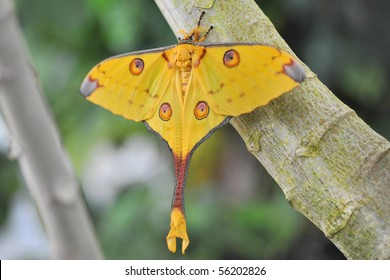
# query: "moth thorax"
{"type": "Point", "coordinates": [184, 77]}
{"type": "Point", "coordinates": [184, 67]}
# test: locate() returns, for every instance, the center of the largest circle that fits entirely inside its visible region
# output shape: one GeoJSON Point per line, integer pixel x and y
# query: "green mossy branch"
{"type": "Point", "coordinates": [332, 167]}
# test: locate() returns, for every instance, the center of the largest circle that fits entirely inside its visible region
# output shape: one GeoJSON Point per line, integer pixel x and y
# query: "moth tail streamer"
{"type": "Point", "coordinates": [178, 225]}
{"type": "Point", "coordinates": [178, 229]}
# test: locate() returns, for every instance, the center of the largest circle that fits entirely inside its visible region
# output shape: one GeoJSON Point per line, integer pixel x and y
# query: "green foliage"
{"type": "Point", "coordinates": [8, 185]}
{"type": "Point", "coordinates": [66, 39]}
{"type": "Point", "coordinates": [133, 228]}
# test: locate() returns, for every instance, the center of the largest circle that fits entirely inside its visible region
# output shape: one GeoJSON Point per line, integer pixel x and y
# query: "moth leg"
{"type": "Point", "coordinates": [185, 35]}
{"type": "Point", "coordinates": [188, 36]}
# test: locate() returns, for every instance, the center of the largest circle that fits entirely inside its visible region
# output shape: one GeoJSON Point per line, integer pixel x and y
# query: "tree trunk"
{"type": "Point", "coordinates": [44, 164]}
{"type": "Point", "coordinates": [331, 166]}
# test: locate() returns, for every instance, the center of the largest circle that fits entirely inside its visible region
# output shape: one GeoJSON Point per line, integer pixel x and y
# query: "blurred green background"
{"type": "Point", "coordinates": [234, 208]}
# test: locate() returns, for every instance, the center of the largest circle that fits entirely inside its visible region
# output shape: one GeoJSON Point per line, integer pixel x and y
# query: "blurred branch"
{"type": "Point", "coordinates": [44, 164]}
{"type": "Point", "coordinates": [331, 166]}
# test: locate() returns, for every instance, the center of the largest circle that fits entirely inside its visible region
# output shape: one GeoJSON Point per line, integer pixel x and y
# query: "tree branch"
{"type": "Point", "coordinates": [331, 166]}
{"type": "Point", "coordinates": [44, 164]}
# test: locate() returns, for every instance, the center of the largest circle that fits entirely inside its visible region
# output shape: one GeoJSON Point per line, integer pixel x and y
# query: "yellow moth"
{"type": "Point", "coordinates": [183, 93]}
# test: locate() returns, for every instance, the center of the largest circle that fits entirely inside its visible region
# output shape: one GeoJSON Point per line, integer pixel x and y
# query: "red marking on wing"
{"type": "Point", "coordinates": [165, 56]}
{"type": "Point", "coordinates": [294, 70]}
{"type": "Point", "coordinates": [291, 63]}
{"type": "Point", "coordinates": [278, 55]}
{"type": "Point", "coordinates": [89, 86]}
{"type": "Point", "coordinates": [197, 62]}
{"type": "Point", "coordinates": [98, 85]}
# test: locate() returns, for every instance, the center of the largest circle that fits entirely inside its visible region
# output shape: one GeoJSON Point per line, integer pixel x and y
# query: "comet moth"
{"type": "Point", "coordinates": [184, 92]}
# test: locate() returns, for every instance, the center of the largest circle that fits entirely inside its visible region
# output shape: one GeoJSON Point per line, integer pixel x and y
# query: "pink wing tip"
{"type": "Point", "coordinates": [88, 86]}
{"type": "Point", "coordinates": [295, 71]}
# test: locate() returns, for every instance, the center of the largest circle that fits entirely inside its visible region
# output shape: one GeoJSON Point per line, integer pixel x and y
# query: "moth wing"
{"type": "Point", "coordinates": [254, 75]}
{"type": "Point", "coordinates": [128, 89]}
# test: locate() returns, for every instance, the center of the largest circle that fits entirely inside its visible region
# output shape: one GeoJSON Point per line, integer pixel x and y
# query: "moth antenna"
{"type": "Point", "coordinates": [200, 18]}
{"type": "Point", "coordinates": [206, 34]}
{"type": "Point", "coordinates": [208, 31]}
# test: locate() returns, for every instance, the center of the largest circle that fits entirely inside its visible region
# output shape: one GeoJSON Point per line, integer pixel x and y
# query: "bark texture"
{"type": "Point", "coordinates": [44, 164]}
{"type": "Point", "coordinates": [332, 167]}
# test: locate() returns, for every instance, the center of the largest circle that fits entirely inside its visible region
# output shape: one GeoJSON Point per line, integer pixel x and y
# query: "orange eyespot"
{"type": "Point", "coordinates": [231, 58]}
{"type": "Point", "coordinates": [136, 66]}
{"type": "Point", "coordinates": [165, 111]}
{"type": "Point", "coordinates": [201, 110]}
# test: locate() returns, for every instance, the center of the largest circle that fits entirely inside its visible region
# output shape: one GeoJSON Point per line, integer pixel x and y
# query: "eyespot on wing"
{"type": "Point", "coordinates": [231, 58]}
{"type": "Point", "coordinates": [165, 111]}
{"type": "Point", "coordinates": [201, 110]}
{"type": "Point", "coordinates": [136, 66]}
